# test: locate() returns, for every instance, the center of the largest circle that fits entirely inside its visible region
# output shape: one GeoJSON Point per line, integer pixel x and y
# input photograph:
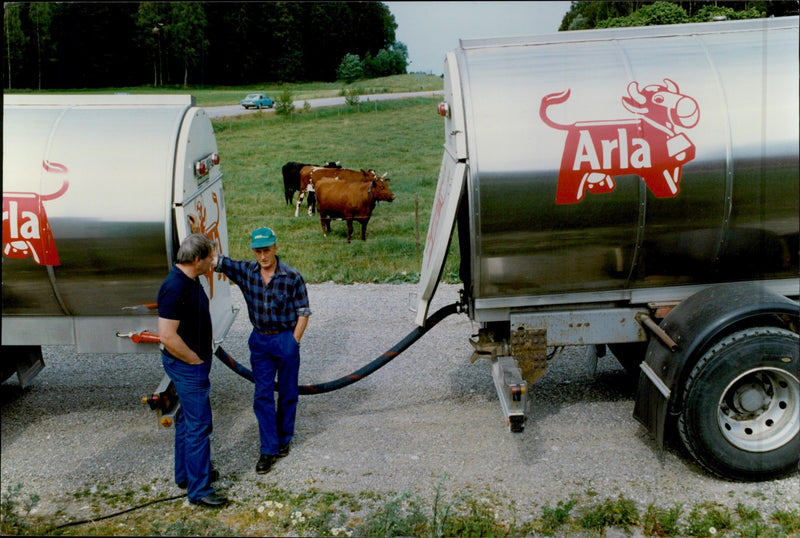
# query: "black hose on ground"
{"type": "Point", "coordinates": [362, 372]}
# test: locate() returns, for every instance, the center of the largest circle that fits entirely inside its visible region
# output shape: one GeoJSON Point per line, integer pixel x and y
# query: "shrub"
{"type": "Point", "coordinates": [351, 97]}
{"type": "Point", "coordinates": [350, 69]}
{"type": "Point", "coordinates": [284, 104]}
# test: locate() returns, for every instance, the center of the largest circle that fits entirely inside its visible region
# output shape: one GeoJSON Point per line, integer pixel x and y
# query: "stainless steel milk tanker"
{"type": "Point", "coordinates": [606, 165]}
{"type": "Point", "coordinates": [634, 190]}
{"type": "Point", "coordinates": [96, 194]}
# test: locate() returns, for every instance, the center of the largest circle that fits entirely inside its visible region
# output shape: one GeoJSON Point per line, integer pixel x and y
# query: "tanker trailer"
{"type": "Point", "coordinates": [97, 192]}
{"type": "Point", "coordinates": [634, 189]}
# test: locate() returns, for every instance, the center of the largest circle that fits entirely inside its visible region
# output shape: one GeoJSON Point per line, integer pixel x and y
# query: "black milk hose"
{"type": "Point", "coordinates": [362, 372]}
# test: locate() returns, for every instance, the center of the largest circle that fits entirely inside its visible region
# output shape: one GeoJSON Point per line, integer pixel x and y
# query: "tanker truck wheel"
{"type": "Point", "coordinates": [741, 404]}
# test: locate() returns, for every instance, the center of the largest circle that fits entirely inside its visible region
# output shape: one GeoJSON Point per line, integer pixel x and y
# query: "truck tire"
{"type": "Point", "coordinates": [741, 403]}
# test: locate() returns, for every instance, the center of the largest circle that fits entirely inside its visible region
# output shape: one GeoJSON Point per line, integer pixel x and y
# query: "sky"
{"type": "Point", "coordinates": [432, 29]}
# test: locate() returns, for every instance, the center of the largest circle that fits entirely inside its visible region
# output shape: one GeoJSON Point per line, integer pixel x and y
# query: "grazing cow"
{"type": "Point", "coordinates": [291, 177]}
{"type": "Point", "coordinates": [350, 201]}
{"type": "Point", "coordinates": [309, 175]}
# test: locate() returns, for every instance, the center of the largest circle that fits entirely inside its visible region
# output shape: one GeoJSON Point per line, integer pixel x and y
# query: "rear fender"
{"type": "Point", "coordinates": [695, 324]}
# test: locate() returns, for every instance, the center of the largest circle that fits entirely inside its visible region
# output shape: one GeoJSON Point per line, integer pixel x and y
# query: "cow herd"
{"type": "Point", "coordinates": [336, 193]}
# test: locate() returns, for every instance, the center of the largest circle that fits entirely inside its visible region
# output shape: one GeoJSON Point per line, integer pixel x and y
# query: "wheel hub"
{"type": "Point", "coordinates": [758, 410]}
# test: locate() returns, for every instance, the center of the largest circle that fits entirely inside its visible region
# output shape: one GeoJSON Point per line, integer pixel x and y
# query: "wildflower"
{"type": "Point", "coordinates": [261, 509]}
{"type": "Point", "coordinates": [712, 531]}
{"type": "Point", "coordinates": [278, 505]}
{"type": "Point", "coordinates": [335, 531]}
{"type": "Point", "coordinates": [271, 513]}
{"type": "Point", "coordinates": [268, 504]}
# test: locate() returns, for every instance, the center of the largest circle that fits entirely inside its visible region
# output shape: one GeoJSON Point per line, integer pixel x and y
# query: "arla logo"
{"type": "Point", "coordinates": [649, 144]}
{"type": "Point", "coordinates": [26, 231]}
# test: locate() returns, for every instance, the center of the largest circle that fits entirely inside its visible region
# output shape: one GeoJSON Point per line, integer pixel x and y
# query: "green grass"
{"type": "Point", "coordinates": [277, 512]}
{"type": "Point", "coordinates": [403, 138]}
{"type": "Point", "coordinates": [227, 95]}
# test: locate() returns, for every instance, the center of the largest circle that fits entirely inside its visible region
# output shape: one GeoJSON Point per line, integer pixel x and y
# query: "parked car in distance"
{"type": "Point", "coordinates": [257, 100]}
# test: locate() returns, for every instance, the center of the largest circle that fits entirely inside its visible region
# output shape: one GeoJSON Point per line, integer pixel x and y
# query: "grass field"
{"type": "Point", "coordinates": [403, 138]}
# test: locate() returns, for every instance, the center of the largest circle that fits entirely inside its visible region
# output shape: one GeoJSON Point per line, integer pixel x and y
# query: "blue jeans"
{"type": "Point", "coordinates": [272, 355]}
{"type": "Point", "coordinates": [192, 426]}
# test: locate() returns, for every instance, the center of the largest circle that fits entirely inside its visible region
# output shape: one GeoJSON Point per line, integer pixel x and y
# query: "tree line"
{"type": "Point", "coordinates": [91, 45]}
{"type": "Point", "coordinates": [588, 15]}
{"type": "Point", "coordinates": [49, 45]}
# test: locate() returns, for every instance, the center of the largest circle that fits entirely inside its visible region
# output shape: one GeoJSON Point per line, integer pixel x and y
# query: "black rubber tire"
{"type": "Point", "coordinates": [740, 404]}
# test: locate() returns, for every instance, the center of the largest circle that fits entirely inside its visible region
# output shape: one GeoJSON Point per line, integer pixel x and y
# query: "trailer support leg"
{"type": "Point", "coordinates": [529, 347]}
{"type": "Point", "coordinates": [511, 390]}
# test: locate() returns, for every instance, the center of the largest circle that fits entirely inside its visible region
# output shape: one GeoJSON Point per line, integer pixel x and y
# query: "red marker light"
{"type": "Point", "coordinates": [443, 109]}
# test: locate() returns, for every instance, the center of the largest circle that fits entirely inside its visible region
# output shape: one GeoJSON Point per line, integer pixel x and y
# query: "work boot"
{"type": "Point", "coordinates": [212, 500]}
{"type": "Point", "coordinates": [284, 451]}
{"type": "Point", "coordinates": [265, 462]}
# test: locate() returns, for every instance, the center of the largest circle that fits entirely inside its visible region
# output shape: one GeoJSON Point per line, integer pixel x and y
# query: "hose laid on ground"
{"type": "Point", "coordinates": [362, 372]}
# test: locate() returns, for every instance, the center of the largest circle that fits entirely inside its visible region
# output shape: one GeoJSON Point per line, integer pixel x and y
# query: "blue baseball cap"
{"type": "Point", "coordinates": [262, 238]}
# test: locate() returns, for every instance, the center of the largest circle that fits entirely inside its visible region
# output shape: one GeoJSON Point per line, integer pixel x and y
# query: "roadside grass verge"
{"type": "Point", "coordinates": [232, 95]}
{"type": "Point", "coordinates": [276, 512]}
{"type": "Point", "coordinates": [403, 138]}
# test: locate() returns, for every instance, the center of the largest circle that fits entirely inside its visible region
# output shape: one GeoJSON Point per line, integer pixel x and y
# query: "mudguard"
{"type": "Point", "coordinates": [694, 325]}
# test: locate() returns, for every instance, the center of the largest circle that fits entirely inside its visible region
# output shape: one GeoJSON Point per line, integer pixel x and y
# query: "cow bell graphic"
{"type": "Point", "coordinates": [26, 230]}
{"type": "Point", "coordinates": [647, 145]}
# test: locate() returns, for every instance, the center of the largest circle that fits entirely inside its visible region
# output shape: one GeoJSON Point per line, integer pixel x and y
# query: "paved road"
{"type": "Point", "coordinates": [216, 112]}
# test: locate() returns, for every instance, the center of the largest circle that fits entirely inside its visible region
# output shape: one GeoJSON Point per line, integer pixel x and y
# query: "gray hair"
{"type": "Point", "coordinates": [194, 247]}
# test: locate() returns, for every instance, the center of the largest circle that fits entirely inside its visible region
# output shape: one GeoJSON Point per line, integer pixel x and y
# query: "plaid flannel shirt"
{"type": "Point", "coordinates": [273, 307]}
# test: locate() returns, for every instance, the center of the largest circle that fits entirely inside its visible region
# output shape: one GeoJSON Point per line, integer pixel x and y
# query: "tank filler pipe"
{"type": "Point", "coordinates": [362, 372]}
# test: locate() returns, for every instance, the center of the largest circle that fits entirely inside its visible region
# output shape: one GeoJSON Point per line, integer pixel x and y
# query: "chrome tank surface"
{"type": "Point", "coordinates": [626, 159]}
{"type": "Point", "coordinates": [88, 181]}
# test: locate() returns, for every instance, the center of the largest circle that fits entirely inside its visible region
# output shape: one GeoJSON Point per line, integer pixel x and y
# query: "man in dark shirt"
{"type": "Point", "coordinates": [184, 327]}
{"type": "Point", "coordinates": [277, 304]}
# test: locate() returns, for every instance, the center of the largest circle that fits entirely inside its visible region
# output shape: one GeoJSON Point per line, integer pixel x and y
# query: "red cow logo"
{"type": "Point", "coordinates": [26, 230]}
{"type": "Point", "coordinates": [648, 145]}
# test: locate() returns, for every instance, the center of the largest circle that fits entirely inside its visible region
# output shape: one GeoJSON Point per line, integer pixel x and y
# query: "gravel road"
{"type": "Point", "coordinates": [428, 414]}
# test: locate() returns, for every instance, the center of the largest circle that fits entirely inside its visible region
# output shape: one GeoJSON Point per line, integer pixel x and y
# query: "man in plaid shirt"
{"type": "Point", "coordinates": [277, 303]}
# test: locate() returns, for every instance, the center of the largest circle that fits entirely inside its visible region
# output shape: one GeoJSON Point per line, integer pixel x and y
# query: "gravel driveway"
{"type": "Point", "coordinates": [428, 414]}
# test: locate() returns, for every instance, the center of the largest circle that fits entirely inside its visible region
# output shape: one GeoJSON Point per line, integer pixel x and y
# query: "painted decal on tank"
{"type": "Point", "coordinates": [652, 144]}
{"type": "Point", "coordinates": [26, 230]}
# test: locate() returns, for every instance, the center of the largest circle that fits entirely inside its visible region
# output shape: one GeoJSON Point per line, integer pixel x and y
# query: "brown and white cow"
{"type": "Point", "coordinates": [310, 175]}
{"type": "Point", "coordinates": [338, 199]}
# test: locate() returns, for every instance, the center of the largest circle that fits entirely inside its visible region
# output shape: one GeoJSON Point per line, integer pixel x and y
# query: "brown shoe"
{"type": "Point", "coordinates": [265, 462]}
